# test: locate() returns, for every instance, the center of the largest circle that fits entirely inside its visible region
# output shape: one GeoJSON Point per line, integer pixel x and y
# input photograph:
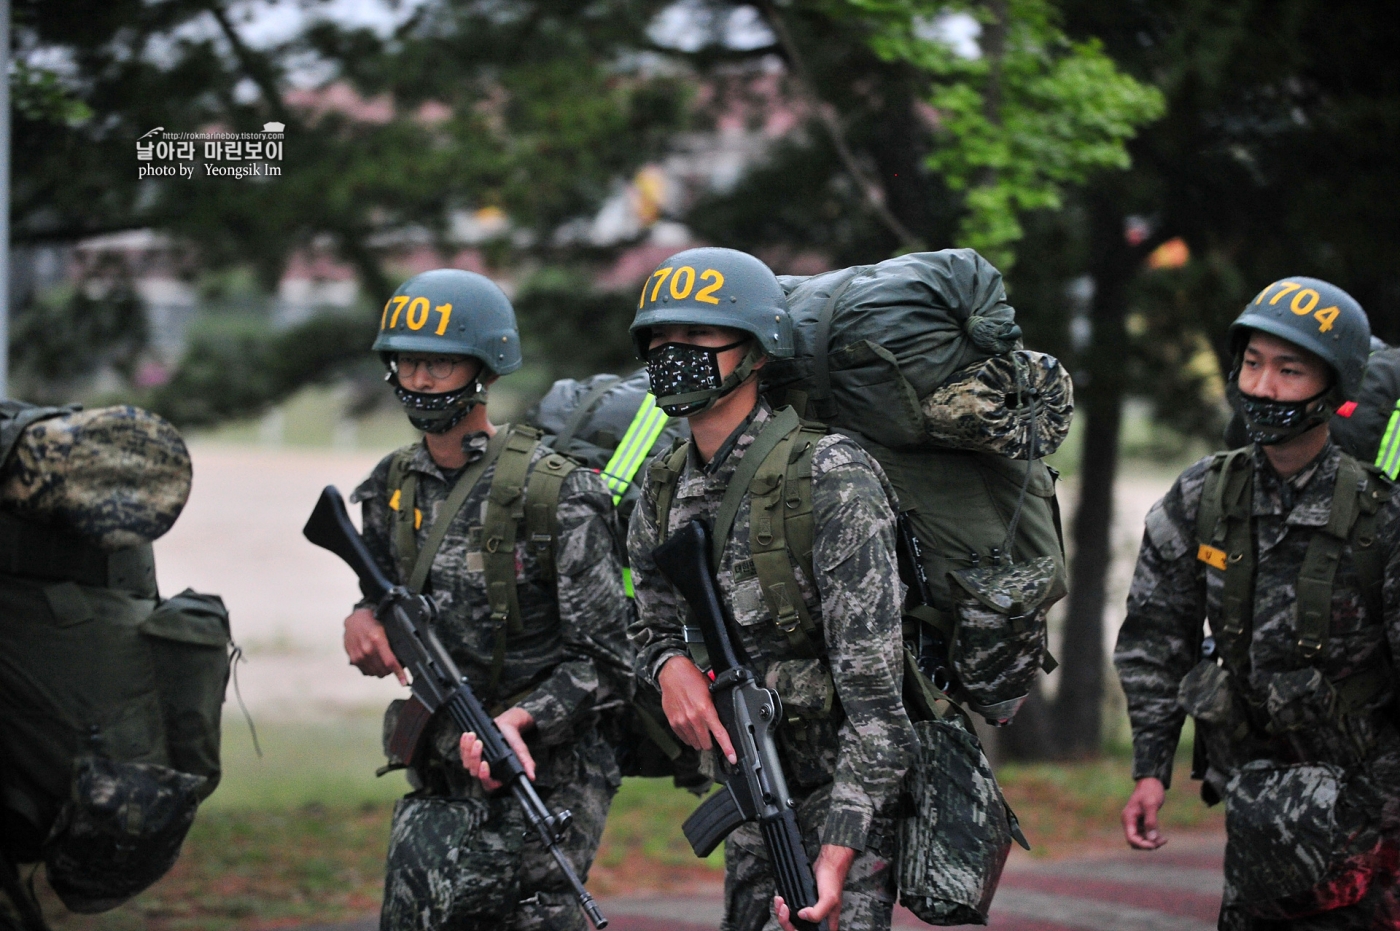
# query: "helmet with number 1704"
{"type": "Point", "coordinates": [1317, 316]}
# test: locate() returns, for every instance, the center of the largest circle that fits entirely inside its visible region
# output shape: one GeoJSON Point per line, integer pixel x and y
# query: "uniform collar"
{"type": "Point", "coordinates": [725, 462]}
{"type": "Point", "coordinates": [1305, 499]}
{"type": "Point", "coordinates": [473, 444]}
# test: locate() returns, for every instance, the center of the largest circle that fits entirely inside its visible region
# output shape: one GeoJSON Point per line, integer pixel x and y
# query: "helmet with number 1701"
{"type": "Point", "coordinates": [452, 312]}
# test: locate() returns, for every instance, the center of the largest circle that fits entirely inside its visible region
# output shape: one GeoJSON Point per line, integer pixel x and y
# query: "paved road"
{"type": "Point", "coordinates": [1174, 889]}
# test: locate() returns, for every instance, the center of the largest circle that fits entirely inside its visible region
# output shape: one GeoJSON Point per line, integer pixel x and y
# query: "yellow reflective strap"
{"type": "Point", "coordinates": [1388, 456]}
{"type": "Point", "coordinates": [394, 501]}
{"type": "Point", "coordinates": [641, 435]}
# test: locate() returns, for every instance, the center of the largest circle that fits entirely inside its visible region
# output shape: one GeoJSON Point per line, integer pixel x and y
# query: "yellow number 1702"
{"type": "Point", "coordinates": [682, 284]}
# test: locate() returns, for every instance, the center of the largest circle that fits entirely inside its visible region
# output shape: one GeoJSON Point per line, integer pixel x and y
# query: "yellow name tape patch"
{"type": "Point", "coordinates": [1215, 558]}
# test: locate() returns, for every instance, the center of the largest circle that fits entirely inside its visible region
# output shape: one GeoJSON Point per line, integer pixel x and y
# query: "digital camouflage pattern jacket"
{"type": "Point", "coordinates": [1170, 597]}
{"type": "Point", "coordinates": [573, 655]}
{"type": "Point", "coordinates": [851, 726]}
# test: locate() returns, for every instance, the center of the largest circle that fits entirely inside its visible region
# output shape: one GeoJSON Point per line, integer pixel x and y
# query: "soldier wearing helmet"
{"type": "Point", "coordinates": [1266, 605]}
{"type": "Point", "coordinates": [521, 552]}
{"type": "Point", "coordinates": [707, 322]}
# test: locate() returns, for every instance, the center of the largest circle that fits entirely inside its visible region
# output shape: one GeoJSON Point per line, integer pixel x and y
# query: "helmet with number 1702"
{"type": "Point", "coordinates": [451, 312]}
{"type": "Point", "coordinates": [1315, 315]}
{"type": "Point", "coordinates": [715, 287]}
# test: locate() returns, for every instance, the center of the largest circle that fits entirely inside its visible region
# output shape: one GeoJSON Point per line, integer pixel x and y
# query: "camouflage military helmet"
{"type": "Point", "coordinates": [116, 476]}
{"type": "Point", "coordinates": [1316, 316]}
{"type": "Point", "coordinates": [716, 287]}
{"type": "Point", "coordinates": [452, 312]}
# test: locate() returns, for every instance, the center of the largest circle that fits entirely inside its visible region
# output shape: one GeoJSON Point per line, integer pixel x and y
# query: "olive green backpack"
{"type": "Point", "coordinates": [110, 705]}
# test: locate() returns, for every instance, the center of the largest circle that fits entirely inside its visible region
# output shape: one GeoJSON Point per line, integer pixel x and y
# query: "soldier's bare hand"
{"type": "Point", "coordinates": [685, 697]}
{"type": "Point", "coordinates": [830, 870]}
{"type": "Point", "coordinates": [1140, 814]}
{"type": "Point", "coordinates": [368, 647]}
{"type": "Point", "coordinates": [512, 723]}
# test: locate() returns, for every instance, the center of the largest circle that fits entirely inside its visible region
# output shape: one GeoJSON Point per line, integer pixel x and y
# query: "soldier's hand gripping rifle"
{"type": "Point", "coordinates": [437, 683]}
{"type": "Point", "coordinates": [754, 789]}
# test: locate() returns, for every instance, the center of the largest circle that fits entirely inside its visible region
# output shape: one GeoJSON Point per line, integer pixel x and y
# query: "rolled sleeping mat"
{"type": "Point", "coordinates": [116, 476]}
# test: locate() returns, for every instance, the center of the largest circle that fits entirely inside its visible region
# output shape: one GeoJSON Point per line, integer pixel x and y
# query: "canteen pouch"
{"type": "Point", "coordinates": [1222, 723]}
{"type": "Point", "coordinates": [188, 636]}
{"type": "Point", "coordinates": [957, 829]}
{"type": "Point", "coordinates": [1282, 832]}
{"type": "Point", "coordinates": [999, 634]}
{"type": "Point", "coordinates": [1305, 710]}
{"type": "Point", "coordinates": [438, 876]}
{"type": "Point", "coordinates": [119, 832]}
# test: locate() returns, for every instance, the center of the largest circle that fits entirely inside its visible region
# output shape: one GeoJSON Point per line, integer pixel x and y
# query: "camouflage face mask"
{"type": "Point", "coordinates": [685, 379]}
{"type": "Point", "coordinates": [1268, 422]}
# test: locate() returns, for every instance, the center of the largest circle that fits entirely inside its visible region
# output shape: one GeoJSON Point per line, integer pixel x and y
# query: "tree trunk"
{"type": "Point", "coordinates": [1079, 703]}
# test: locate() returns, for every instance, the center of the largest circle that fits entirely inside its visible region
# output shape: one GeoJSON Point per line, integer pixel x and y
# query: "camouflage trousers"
{"type": "Point", "coordinates": [467, 863]}
{"type": "Point", "coordinates": [867, 901]}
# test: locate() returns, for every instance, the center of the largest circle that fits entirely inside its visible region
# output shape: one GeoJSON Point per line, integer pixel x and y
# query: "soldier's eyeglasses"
{"type": "Point", "coordinates": [437, 366]}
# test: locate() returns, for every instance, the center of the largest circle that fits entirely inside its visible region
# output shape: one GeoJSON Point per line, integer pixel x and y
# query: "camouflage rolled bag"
{"type": "Point", "coordinates": [957, 829]}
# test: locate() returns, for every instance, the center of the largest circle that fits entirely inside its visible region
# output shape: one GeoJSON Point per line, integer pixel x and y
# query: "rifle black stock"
{"type": "Point", "coordinates": [437, 683]}
{"type": "Point", "coordinates": [755, 789]}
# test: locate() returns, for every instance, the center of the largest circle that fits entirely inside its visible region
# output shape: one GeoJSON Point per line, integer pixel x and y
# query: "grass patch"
{"type": "Point", "coordinates": [1066, 807]}
{"type": "Point", "coordinates": [299, 836]}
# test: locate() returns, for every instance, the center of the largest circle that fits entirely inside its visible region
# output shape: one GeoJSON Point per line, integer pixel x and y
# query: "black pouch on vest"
{"type": "Point", "coordinates": [119, 832]}
{"type": "Point", "coordinates": [450, 860]}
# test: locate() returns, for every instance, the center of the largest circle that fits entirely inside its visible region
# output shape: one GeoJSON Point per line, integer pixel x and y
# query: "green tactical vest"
{"type": "Point", "coordinates": [1224, 528]}
{"type": "Point", "coordinates": [519, 499]}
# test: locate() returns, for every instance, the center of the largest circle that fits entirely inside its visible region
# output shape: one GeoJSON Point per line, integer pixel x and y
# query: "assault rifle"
{"type": "Point", "coordinates": [931, 649]}
{"type": "Point", "coordinates": [754, 789]}
{"type": "Point", "coordinates": [437, 683]}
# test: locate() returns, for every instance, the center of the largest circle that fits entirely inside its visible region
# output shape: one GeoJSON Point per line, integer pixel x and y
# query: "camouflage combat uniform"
{"type": "Point", "coordinates": [462, 845]}
{"type": "Point", "coordinates": [847, 751]}
{"type": "Point", "coordinates": [1159, 645]}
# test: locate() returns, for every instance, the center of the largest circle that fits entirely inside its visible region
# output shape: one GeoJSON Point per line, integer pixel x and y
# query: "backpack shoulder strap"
{"type": "Point", "coordinates": [781, 531]}
{"type": "Point", "coordinates": [1372, 495]}
{"type": "Point", "coordinates": [585, 407]}
{"type": "Point", "coordinates": [784, 422]}
{"type": "Point", "coordinates": [1226, 545]}
{"type": "Point", "coordinates": [542, 506]}
{"type": "Point", "coordinates": [1356, 499]}
{"type": "Point", "coordinates": [421, 563]}
{"type": "Point", "coordinates": [664, 476]}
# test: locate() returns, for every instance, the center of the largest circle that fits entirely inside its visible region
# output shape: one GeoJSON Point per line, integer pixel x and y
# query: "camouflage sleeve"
{"type": "Point", "coordinates": [656, 629]}
{"type": "Point", "coordinates": [858, 579]}
{"type": "Point", "coordinates": [1160, 638]}
{"type": "Point", "coordinates": [373, 498]}
{"type": "Point", "coordinates": [593, 612]}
